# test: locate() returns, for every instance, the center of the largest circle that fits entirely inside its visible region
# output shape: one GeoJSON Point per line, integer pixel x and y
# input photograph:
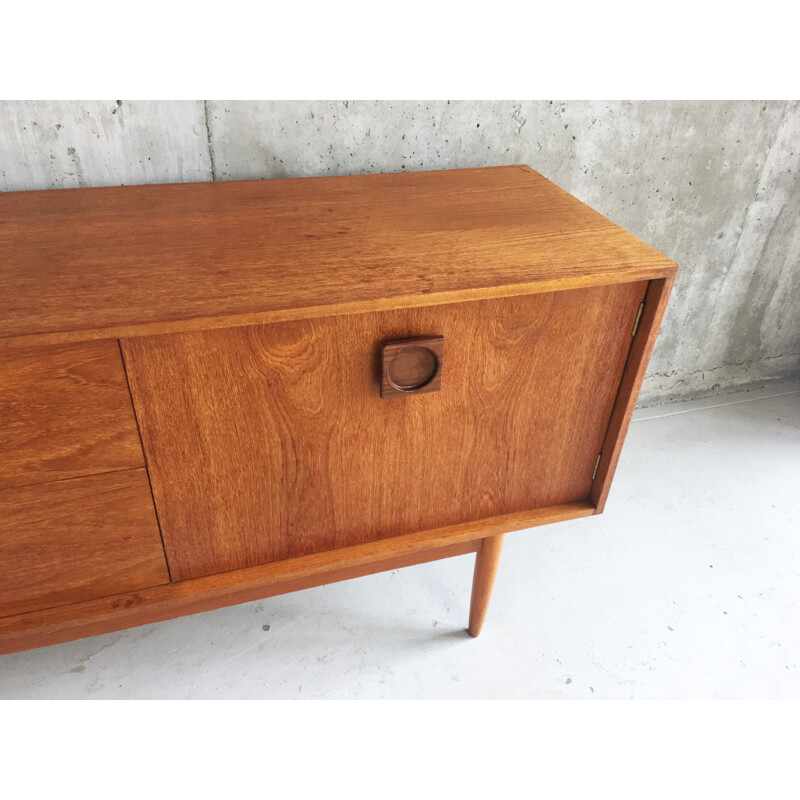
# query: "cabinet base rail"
{"type": "Point", "coordinates": [166, 601]}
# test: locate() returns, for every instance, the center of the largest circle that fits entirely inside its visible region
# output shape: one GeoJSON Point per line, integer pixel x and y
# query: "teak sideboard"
{"type": "Point", "coordinates": [213, 393]}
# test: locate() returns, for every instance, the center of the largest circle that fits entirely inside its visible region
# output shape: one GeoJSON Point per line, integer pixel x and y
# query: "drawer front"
{"type": "Point", "coordinates": [65, 411]}
{"type": "Point", "coordinates": [79, 539]}
{"type": "Point", "coordinates": [274, 441]}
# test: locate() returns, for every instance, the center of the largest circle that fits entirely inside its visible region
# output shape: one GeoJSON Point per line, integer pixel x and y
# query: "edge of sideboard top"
{"type": "Point", "coordinates": [110, 262]}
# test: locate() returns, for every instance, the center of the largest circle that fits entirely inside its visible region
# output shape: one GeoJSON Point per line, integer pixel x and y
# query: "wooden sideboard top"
{"type": "Point", "coordinates": [81, 264]}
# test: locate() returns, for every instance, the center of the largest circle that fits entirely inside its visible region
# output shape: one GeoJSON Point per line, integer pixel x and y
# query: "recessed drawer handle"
{"type": "Point", "coordinates": [412, 366]}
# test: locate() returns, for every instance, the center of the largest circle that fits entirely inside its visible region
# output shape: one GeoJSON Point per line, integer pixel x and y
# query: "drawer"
{"type": "Point", "coordinates": [78, 539]}
{"type": "Point", "coordinates": [65, 411]}
{"type": "Point", "coordinates": [274, 441]}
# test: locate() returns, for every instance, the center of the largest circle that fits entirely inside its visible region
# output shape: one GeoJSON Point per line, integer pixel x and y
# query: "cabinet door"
{"type": "Point", "coordinates": [65, 411]}
{"type": "Point", "coordinates": [78, 539]}
{"type": "Point", "coordinates": [76, 513]}
{"type": "Point", "coordinates": [273, 441]}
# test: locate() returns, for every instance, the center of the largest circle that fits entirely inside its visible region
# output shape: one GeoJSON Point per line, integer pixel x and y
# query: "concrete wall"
{"type": "Point", "coordinates": [714, 185]}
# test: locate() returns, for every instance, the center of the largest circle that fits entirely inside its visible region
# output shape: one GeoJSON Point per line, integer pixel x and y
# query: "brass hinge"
{"type": "Point", "coordinates": [596, 465]}
{"type": "Point", "coordinates": [638, 317]}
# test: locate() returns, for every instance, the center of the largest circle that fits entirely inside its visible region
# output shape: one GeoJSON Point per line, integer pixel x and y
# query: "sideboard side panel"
{"type": "Point", "coordinates": [655, 304]}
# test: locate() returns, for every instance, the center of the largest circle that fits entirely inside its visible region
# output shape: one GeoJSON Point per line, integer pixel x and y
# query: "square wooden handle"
{"type": "Point", "coordinates": [412, 366]}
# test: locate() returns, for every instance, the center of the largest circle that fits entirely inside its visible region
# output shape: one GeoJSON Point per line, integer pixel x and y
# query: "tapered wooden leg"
{"type": "Point", "coordinates": [486, 563]}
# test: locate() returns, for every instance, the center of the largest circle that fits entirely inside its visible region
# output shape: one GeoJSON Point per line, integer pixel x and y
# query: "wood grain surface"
{"type": "Point", "coordinates": [78, 264]}
{"type": "Point", "coordinates": [272, 442]}
{"type": "Point", "coordinates": [251, 316]}
{"type": "Point", "coordinates": [65, 411]}
{"type": "Point", "coordinates": [75, 540]}
{"type": "Point", "coordinates": [62, 624]}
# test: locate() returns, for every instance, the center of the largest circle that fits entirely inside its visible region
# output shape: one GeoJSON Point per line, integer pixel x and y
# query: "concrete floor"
{"type": "Point", "coordinates": [687, 587]}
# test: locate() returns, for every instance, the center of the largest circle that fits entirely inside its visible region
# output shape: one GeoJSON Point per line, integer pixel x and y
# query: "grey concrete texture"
{"type": "Point", "coordinates": [713, 185]}
{"type": "Point", "coordinates": [67, 144]}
